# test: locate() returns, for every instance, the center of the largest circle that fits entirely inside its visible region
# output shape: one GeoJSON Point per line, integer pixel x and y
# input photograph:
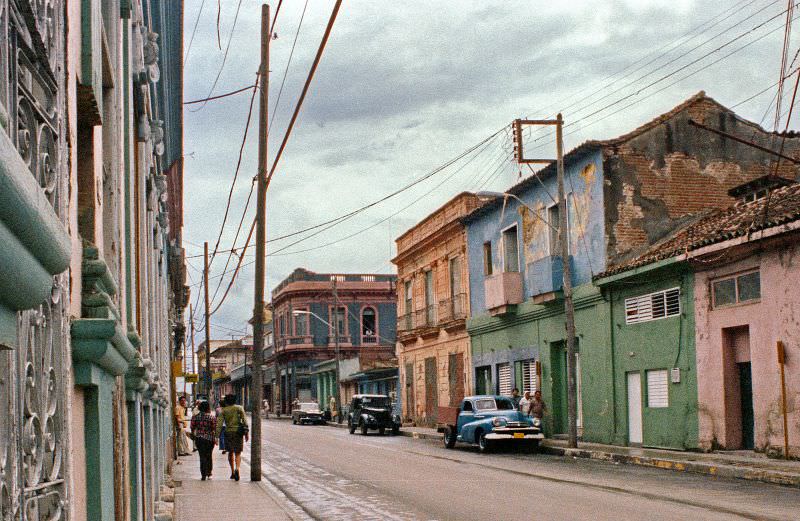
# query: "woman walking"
{"type": "Point", "coordinates": [204, 429]}
{"type": "Point", "coordinates": [235, 429]}
{"type": "Point", "coordinates": [218, 414]}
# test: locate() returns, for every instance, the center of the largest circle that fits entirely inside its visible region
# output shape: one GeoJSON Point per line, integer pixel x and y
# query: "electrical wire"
{"type": "Point", "coordinates": [286, 70]}
{"type": "Point", "coordinates": [194, 31]}
{"type": "Point", "coordinates": [218, 96]}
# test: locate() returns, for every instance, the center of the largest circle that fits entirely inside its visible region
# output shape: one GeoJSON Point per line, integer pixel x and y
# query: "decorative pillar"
{"type": "Point", "coordinates": [135, 385]}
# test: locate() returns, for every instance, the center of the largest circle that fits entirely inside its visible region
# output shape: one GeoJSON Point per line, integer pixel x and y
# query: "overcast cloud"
{"type": "Point", "coordinates": [405, 86]}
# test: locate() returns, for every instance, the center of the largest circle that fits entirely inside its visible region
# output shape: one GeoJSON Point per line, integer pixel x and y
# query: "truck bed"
{"type": "Point", "coordinates": [446, 416]}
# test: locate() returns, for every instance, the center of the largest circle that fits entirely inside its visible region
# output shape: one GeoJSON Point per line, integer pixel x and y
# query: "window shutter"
{"type": "Point", "coordinates": [658, 388]}
{"type": "Point", "coordinates": [653, 306]}
{"type": "Point", "coordinates": [504, 379]}
{"type": "Point", "coordinates": [529, 376]}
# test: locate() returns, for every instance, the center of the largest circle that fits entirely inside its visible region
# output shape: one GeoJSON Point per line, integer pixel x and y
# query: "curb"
{"type": "Point", "coordinates": [709, 469]}
{"type": "Point", "coordinates": [408, 434]}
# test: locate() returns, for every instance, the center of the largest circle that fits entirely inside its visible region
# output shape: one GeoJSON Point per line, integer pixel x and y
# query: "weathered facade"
{"type": "Point", "coordinates": [306, 306]}
{"type": "Point", "coordinates": [91, 270]}
{"type": "Point", "coordinates": [433, 347]}
{"type": "Point", "coordinates": [623, 195]}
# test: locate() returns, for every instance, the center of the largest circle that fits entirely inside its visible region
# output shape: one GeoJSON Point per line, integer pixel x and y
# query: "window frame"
{"type": "Point", "coordinates": [487, 259]}
{"type": "Point", "coordinates": [504, 233]}
{"type": "Point", "coordinates": [375, 332]}
{"type": "Point", "coordinates": [297, 316]}
{"type": "Point", "coordinates": [332, 315]}
{"type": "Point", "coordinates": [735, 277]}
{"type": "Point", "coordinates": [553, 228]}
{"type": "Point", "coordinates": [629, 322]}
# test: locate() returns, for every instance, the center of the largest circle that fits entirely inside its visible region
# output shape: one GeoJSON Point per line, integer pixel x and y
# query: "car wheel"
{"type": "Point", "coordinates": [382, 431]}
{"type": "Point", "coordinates": [294, 422]}
{"type": "Point", "coordinates": [449, 438]}
{"type": "Point", "coordinates": [533, 447]}
{"type": "Point", "coordinates": [351, 427]}
{"type": "Point", "coordinates": [483, 444]}
{"type": "Point", "coordinates": [364, 429]}
{"type": "Point", "coordinates": [395, 430]}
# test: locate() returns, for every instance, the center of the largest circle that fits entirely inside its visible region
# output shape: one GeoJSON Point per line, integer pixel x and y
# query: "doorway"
{"type": "Point", "coordinates": [738, 389]}
{"type": "Point", "coordinates": [431, 390]}
{"type": "Point", "coordinates": [634, 380]}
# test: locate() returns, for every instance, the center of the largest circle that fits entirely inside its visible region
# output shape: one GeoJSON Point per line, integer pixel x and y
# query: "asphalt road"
{"type": "Point", "coordinates": [332, 475]}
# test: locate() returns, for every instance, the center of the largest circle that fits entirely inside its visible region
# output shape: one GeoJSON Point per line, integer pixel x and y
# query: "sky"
{"type": "Point", "coordinates": [406, 87]}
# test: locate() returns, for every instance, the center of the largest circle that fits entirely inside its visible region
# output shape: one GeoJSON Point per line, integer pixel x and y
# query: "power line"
{"type": "Point", "coordinates": [218, 96]}
{"type": "Point", "coordinates": [194, 30]}
{"type": "Point", "coordinates": [286, 70]}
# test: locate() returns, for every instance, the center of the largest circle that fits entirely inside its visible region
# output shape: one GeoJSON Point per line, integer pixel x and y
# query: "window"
{"type": "Point", "coordinates": [529, 374]}
{"type": "Point", "coordinates": [510, 250]}
{"type": "Point", "coordinates": [487, 258]}
{"type": "Point", "coordinates": [737, 289]}
{"type": "Point", "coordinates": [467, 407]}
{"type": "Point", "coordinates": [338, 319]}
{"type": "Point", "coordinates": [301, 324]}
{"type": "Point", "coordinates": [369, 329]}
{"type": "Point", "coordinates": [408, 296]}
{"type": "Point", "coordinates": [658, 388]}
{"type": "Point", "coordinates": [653, 306]}
{"type": "Point", "coordinates": [429, 307]}
{"type": "Point", "coordinates": [504, 379]}
{"type": "Point", "coordinates": [455, 276]}
{"type": "Point", "coordinates": [553, 220]}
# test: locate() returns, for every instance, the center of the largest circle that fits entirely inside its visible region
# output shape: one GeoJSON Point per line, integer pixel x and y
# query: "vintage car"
{"type": "Point", "coordinates": [307, 413]}
{"type": "Point", "coordinates": [486, 421]}
{"type": "Point", "coordinates": [372, 411]}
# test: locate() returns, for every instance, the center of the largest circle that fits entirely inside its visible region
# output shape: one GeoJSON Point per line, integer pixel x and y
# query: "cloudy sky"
{"type": "Point", "coordinates": [405, 87]}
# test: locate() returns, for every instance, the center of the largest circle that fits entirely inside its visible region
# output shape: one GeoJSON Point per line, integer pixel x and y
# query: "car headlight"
{"type": "Point", "coordinates": [499, 421]}
{"type": "Point", "coordinates": [397, 418]}
{"type": "Point", "coordinates": [537, 422]}
{"type": "Point", "coordinates": [370, 418]}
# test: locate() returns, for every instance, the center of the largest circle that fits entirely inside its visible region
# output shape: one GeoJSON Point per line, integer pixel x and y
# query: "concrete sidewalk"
{"type": "Point", "coordinates": [730, 464]}
{"type": "Point", "coordinates": [223, 499]}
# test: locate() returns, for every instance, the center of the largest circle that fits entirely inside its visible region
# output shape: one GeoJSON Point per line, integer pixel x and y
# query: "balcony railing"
{"type": "Point", "coordinates": [294, 341]}
{"type": "Point", "coordinates": [503, 289]}
{"type": "Point", "coordinates": [343, 339]}
{"type": "Point", "coordinates": [454, 308]}
{"type": "Point", "coordinates": [369, 339]}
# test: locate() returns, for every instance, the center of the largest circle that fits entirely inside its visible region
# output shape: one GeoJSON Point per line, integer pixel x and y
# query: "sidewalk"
{"type": "Point", "coordinates": [730, 464]}
{"type": "Point", "coordinates": [223, 499]}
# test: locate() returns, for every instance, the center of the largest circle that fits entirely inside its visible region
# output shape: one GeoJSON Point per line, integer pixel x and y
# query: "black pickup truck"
{"type": "Point", "coordinates": [372, 411]}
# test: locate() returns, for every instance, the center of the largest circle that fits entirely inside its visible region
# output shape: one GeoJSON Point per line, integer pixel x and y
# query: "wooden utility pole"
{"type": "Point", "coordinates": [563, 239]}
{"type": "Point", "coordinates": [569, 309]}
{"type": "Point", "coordinates": [207, 379]}
{"type": "Point", "coordinates": [193, 370]}
{"type": "Point", "coordinates": [261, 237]}
{"type": "Point", "coordinates": [782, 363]}
{"type": "Point", "coordinates": [336, 348]}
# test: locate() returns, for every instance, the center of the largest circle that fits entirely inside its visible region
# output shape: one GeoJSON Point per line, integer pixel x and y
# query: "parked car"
{"type": "Point", "coordinates": [488, 420]}
{"type": "Point", "coordinates": [307, 412]}
{"type": "Point", "coordinates": [372, 411]}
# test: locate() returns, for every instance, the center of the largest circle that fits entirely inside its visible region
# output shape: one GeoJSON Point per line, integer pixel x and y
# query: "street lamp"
{"type": "Point", "coordinates": [296, 312]}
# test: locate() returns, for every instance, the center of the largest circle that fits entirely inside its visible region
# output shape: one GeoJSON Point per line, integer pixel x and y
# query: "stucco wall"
{"type": "Point", "coordinates": [776, 316]}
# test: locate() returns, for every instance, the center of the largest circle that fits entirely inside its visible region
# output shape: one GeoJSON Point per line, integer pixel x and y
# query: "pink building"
{"type": "Point", "coordinates": [747, 300]}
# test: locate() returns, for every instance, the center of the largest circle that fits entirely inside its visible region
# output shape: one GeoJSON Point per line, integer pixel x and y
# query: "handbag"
{"type": "Point", "coordinates": [242, 429]}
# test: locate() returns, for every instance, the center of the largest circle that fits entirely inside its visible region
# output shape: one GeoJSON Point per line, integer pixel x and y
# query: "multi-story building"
{"type": "Point", "coordinates": [225, 356]}
{"type": "Point", "coordinates": [433, 347]}
{"type": "Point", "coordinates": [623, 195]}
{"type": "Point", "coordinates": [92, 283]}
{"type": "Point", "coordinates": [315, 315]}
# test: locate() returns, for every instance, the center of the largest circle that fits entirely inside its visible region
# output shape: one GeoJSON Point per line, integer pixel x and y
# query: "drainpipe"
{"type": "Point", "coordinates": [613, 362]}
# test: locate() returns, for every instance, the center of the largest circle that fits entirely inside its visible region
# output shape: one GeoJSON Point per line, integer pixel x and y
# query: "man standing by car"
{"type": "Point", "coordinates": [525, 403]}
{"type": "Point", "coordinates": [515, 397]}
{"type": "Point", "coordinates": [537, 407]}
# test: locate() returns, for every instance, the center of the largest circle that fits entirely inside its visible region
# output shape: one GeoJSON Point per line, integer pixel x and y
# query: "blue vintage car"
{"type": "Point", "coordinates": [488, 420]}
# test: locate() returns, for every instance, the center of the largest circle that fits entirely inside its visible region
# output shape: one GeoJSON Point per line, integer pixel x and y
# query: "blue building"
{"type": "Point", "coordinates": [316, 316]}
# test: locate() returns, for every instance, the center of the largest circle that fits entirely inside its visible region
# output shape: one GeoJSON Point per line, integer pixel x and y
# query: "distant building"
{"type": "Point", "coordinates": [433, 346]}
{"type": "Point", "coordinates": [312, 312]}
{"type": "Point", "coordinates": [226, 355]}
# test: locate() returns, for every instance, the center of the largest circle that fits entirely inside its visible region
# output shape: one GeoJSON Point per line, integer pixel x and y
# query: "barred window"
{"type": "Point", "coordinates": [653, 306]}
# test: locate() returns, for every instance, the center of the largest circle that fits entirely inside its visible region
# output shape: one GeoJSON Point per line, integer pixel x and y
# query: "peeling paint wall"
{"type": "Point", "coordinates": [658, 179]}
{"type": "Point", "coordinates": [584, 190]}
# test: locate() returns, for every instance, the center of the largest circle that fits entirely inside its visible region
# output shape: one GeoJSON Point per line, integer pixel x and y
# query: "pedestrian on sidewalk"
{"type": "Point", "coordinates": [236, 429]}
{"type": "Point", "coordinates": [181, 424]}
{"type": "Point", "coordinates": [332, 405]}
{"type": "Point", "coordinates": [537, 408]}
{"type": "Point", "coordinates": [265, 407]}
{"type": "Point", "coordinates": [220, 420]}
{"type": "Point", "coordinates": [525, 403]}
{"type": "Point", "coordinates": [204, 430]}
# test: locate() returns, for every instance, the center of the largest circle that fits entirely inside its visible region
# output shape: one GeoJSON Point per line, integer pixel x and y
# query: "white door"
{"type": "Point", "coordinates": [634, 408]}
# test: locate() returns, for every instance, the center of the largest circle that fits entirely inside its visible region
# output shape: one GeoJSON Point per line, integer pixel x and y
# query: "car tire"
{"type": "Point", "coordinates": [484, 445]}
{"type": "Point", "coordinates": [395, 430]}
{"type": "Point", "coordinates": [382, 431]}
{"type": "Point", "coordinates": [533, 447]}
{"type": "Point", "coordinates": [294, 422]}
{"type": "Point", "coordinates": [351, 427]}
{"type": "Point", "coordinates": [449, 438]}
{"type": "Point", "coordinates": [364, 428]}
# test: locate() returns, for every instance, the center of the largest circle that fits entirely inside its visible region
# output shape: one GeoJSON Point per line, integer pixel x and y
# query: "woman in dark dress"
{"type": "Point", "coordinates": [204, 430]}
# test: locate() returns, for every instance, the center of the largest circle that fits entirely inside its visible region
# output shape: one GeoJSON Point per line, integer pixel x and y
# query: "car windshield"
{"type": "Point", "coordinates": [375, 401]}
{"type": "Point", "coordinates": [504, 404]}
{"type": "Point", "coordinates": [308, 407]}
{"type": "Point", "coordinates": [485, 404]}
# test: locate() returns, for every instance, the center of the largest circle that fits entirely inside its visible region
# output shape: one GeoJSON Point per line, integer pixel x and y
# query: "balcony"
{"type": "Point", "coordinates": [405, 322]}
{"type": "Point", "coordinates": [453, 309]}
{"type": "Point", "coordinates": [369, 339]}
{"type": "Point", "coordinates": [503, 290]}
{"type": "Point", "coordinates": [546, 277]}
{"type": "Point", "coordinates": [343, 340]}
{"type": "Point", "coordinates": [289, 343]}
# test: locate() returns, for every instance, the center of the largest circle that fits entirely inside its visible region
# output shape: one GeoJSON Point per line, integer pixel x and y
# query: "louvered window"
{"type": "Point", "coordinates": [529, 376]}
{"type": "Point", "coordinates": [653, 306]}
{"type": "Point", "coordinates": [504, 379]}
{"type": "Point", "coordinates": [658, 388]}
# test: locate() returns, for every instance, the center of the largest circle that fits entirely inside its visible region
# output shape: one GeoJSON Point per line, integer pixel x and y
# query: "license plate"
{"type": "Point", "coordinates": [519, 435]}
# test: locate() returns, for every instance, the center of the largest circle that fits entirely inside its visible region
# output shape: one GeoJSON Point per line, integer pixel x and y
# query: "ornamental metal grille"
{"type": "Point", "coordinates": [33, 432]}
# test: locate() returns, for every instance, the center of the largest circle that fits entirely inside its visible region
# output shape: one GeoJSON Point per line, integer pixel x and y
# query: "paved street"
{"type": "Point", "coordinates": [333, 475]}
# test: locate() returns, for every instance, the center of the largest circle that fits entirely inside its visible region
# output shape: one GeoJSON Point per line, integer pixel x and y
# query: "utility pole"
{"type": "Point", "coordinates": [207, 379]}
{"type": "Point", "coordinates": [261, 236]}
{"type": "Point", "coordinates": [336, 348]}
{"type": "Point", "coordinates": [563, 239]}
{"type": "Point", "coordinates": [191, 328]}
{"type": "Point", "coordinates": [569, 309]}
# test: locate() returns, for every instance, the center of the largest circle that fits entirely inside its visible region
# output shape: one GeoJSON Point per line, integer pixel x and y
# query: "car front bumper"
{"type": "Point", "coordinates": [515, 434]}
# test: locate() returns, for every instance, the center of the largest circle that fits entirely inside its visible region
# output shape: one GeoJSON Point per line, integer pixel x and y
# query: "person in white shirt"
{"type": "Point", "coordinates": [525, 402]}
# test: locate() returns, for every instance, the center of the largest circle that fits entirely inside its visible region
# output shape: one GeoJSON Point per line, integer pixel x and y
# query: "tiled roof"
{"type": "Point", "coordinates": [722, 225]}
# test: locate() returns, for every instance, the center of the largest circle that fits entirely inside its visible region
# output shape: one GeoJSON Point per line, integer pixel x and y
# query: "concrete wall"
{"type": "Point", "coordinates": [772, 318]}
